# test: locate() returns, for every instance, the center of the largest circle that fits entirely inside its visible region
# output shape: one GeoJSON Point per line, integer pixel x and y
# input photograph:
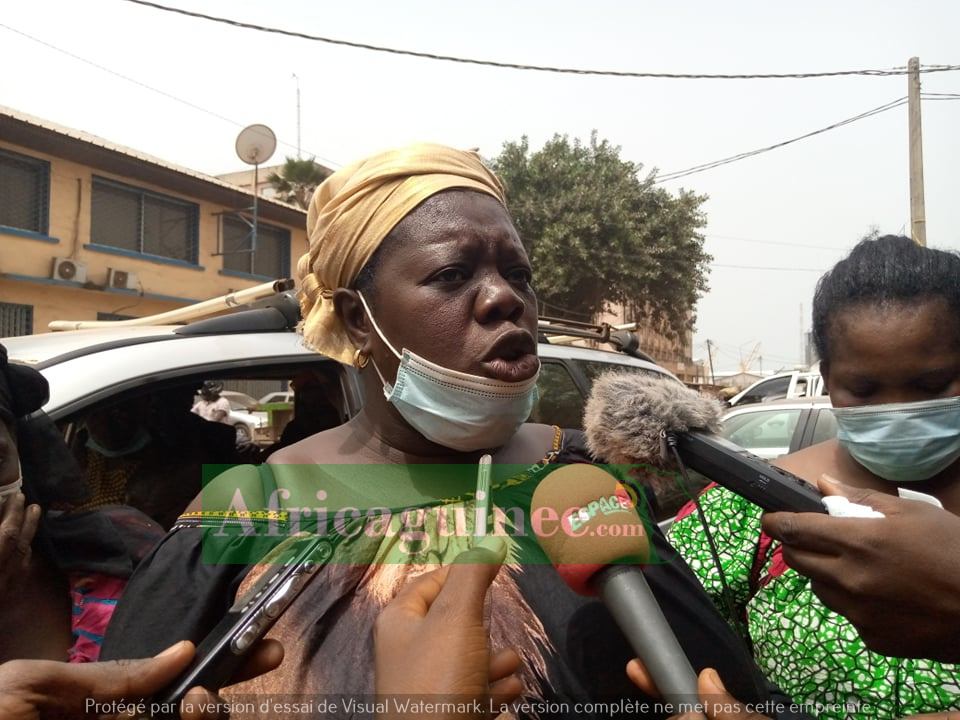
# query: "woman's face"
{"type": "Point", "coordinates": [454, 286]}
{"type": "Point", "coordinates": [903, 352]}
{"type": "Point", "coordinates": [115, 426]}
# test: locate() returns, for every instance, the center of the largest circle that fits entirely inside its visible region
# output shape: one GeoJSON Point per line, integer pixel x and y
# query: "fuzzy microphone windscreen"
{"type": "Point", "coordinates": [627, 412]}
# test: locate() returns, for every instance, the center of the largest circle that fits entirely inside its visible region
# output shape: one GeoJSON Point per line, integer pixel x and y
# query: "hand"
{"type": "Point", "coordinates": [31, 689]}
{"type": "Point", "coordinates": [715, 702]}
{"type": "Point", "coordinates": [896, 578]}
{"type": "Point", "coordinates": [18, 525]}
{"type": "Point", "coordinates": [718, 704]}
{"type": "Point", "coordinates": [431, 644]}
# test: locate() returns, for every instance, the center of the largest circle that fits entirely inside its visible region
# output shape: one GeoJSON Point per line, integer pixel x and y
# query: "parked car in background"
{"type": "Point", "coordinates": [283, 396]}
{"type": "Point", "coordinates": [794, 384]}
{"type": "Point", "coordinates": [244, 416]}
{"type": "Point", "coordinates": [778, 427]}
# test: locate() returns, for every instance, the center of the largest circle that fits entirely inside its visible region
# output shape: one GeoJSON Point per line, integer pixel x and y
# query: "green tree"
{"type": "Point", "coordinates": [297, 180]}
{"type": "Point", "coordinates": [600, 234]}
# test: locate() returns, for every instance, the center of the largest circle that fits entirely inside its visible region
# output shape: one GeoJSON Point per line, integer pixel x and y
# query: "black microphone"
{"type": "Point", "coordinates": [599, 549]}
{"type": "Point", "coordinates": [633, 418]}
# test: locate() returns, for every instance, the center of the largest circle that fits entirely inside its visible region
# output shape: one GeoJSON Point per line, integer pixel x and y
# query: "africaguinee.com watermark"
{"type": "Point", "coordinates": [329, 509]}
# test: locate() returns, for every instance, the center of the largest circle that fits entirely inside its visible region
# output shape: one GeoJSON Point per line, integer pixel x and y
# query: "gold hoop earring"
{"type": "Point", "coordinates": [360, 359]}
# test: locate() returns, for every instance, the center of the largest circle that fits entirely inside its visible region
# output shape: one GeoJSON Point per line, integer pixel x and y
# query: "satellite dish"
{"type": "Point", "coordinates": [256, 144]}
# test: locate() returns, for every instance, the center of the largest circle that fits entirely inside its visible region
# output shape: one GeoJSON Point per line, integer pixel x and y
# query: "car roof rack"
{"type": "Point", "coordinates": [558, 331]}
{"type": "Point", "coordinates": [272, 306]}
{"type": "Point", "coordinates": [273, 293]}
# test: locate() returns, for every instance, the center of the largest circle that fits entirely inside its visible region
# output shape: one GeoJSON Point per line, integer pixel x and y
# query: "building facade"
{"type": "Point", "coordinates": [91, 230]}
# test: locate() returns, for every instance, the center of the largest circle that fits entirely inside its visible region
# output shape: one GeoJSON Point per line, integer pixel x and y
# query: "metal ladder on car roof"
{"type": "Point", "coordinates": [558, 331]}
{"type": "Point", "coordinates": [205, 308]}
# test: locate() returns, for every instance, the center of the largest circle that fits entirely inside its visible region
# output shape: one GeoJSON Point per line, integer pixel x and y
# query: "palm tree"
{"type": "Point", "coordinates": [297, 181]}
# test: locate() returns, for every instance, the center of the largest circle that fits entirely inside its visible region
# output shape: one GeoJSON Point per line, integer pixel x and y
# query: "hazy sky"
{"type": "Point", "coordinates": [181, 88]}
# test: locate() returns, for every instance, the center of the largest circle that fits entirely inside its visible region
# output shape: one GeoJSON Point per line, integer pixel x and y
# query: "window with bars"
{"type": "Point", "coordinates": [268, 257]}
{"type": "Point", "coordinates": [15, 319]}
{"type": "Point", "coordinates": [144, 222]}
{"type": "Point", "coordinates": [24, 192]}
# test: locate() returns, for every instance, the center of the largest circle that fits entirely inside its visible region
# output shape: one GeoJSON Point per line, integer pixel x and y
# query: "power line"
{"type": "Point", "coordinates": [665, 177]}
{"type": "Point", "coordinates": [875, 111]}
{"type": "Point", "coordinates": [742, 156]}
{"type": "Point", "coordinates": [328, 163]}
{"type": "Point", "coordinates": [120, 75]}
{"type": "Point", "coordinates": [540, 68]}
{"type": "Point", "coordinates": [735, 352]}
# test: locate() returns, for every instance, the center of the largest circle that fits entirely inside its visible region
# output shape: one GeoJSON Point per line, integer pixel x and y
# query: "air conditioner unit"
{"type": "Point", "coordinates": [67, 269]}
{"type": "Point", "coordinates": [121, 279]}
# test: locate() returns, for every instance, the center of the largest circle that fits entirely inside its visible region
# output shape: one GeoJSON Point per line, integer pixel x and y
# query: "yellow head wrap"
{"type": "Point", "coordinates": [354, 210]}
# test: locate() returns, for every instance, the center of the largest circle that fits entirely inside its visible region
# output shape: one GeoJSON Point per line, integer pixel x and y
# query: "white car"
{"type": "Point", "coordinates": [794, 384]}
{"type": "Point", "coordinates": [244, 416]}
{"type": "Point", "coordinates": [285, 396]}
{"type": "Point", "coordinates": [778, 427]}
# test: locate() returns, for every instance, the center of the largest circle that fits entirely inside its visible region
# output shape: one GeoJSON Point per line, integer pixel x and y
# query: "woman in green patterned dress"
{"type": "Point", "coordinates": [886, 323]}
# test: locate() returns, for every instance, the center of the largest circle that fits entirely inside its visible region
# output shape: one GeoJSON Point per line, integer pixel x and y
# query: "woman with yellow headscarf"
{"type": "Point", "coordinates": [416, 276]}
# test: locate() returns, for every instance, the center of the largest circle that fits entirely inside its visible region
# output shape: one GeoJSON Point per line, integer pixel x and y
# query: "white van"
{"type": "Point", "coordinates": [795, 384]}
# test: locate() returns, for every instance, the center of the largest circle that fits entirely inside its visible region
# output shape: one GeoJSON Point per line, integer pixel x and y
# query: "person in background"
{"type": "Point", "coordinates": [886, 323]}
{"type": "Point", "coordinates": [111, 447]}
{"type": "Point", "coordinates": [61, 571]}
{"type": "Point", "coordinates": [148, 452]}
{"type": "Point", "coordinates": [212, 405]}
{"type": "Point", "coordinates": [416, 275]}
{"type": "Point", "coordinates": [313, 409]}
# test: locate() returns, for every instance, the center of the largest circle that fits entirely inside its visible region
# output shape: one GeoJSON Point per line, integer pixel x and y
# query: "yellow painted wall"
{"type": "Point", "coordinates": [26, 262]}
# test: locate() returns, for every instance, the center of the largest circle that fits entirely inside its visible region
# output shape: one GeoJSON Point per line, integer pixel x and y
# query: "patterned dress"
{"type": "Point", "coordinates": [810, 652]}
{"type": "Point", "coordinates": [93, 597]}
{"type": "Point", "coordinates": [97, 551]}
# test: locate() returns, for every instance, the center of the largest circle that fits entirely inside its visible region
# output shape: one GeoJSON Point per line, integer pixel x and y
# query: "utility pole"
{"type": "Point", "coordinates": [713, 380]}
{"type": "Point", "coordinates": [918, 220]}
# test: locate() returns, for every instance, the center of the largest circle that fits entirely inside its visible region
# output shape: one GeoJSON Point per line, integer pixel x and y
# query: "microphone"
{"type": "Point", "coordinates": [627, 414]}
{"type": "Point", "coordinates": [598, 550]}
{"type": "Point", "coordinates": [632, 418]}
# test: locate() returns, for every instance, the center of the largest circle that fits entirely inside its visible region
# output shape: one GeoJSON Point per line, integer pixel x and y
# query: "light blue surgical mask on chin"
{"type": "Point", "coordinates": [455, 409]}
{"type": "Point", "coordinates": [12, 488]}
{"type": "Point", "coordinates": [902, 442]}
